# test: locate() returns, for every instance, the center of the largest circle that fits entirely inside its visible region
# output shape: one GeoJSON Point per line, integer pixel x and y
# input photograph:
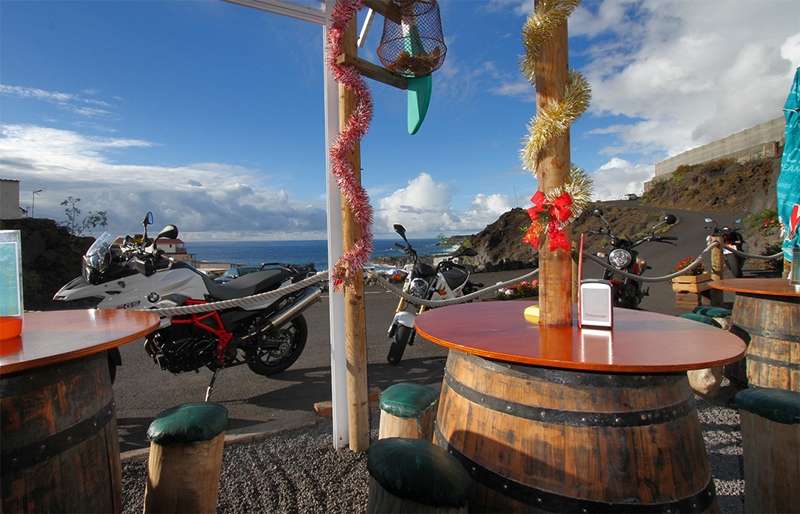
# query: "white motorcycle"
{"type": "Point", "coordinates": [448, 279]}
{"type": "Point", "coordinates": [268, 335]}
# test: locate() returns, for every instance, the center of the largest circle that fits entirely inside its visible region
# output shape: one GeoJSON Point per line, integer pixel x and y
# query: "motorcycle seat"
{"type": "Point", "coordinates": [455, 277]}
{"type": "Point", "coordinates": [248, 285]}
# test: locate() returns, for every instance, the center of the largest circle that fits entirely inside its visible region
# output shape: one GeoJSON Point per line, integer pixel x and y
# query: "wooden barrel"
{"type": "Point", "coordinates": [773, 326]}
{"type": "Point", "coordinates": [548, 440]}
{"type": "Point", "coordinates": [60, 451]}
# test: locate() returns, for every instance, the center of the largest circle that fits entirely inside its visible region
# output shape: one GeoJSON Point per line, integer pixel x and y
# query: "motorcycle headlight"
{"type": "Point", "coordinates": [619, 258]}
{"type": "Point", "coordinates": [418, 287]}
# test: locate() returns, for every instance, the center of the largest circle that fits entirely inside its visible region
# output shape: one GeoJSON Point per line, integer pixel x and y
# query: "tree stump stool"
{"type": "Point", "coordinates": [705, 382]}
{"type": "Point", "coordinates": [185, 458]}
{"type": "Point", "coordinates": [415, 475]}
{"type": "Point", "coordinates": [408, 410]}
{"type": "Point", "coordinates": [770, 420]}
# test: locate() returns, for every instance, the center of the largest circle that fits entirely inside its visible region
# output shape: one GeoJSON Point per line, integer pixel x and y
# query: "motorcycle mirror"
{"type": "Point", "coordinates": [470, 252]}
{"type": "Point", "coordinates": [400, 229]}
{"type": "Point", "coordinates": [598, 213]}
{"type": "Point", "coordinates": [670, 219]}
{"type": "Point", "coordinates": [739, 220]}
{"type": "Point", "coordinates": [148, 219]}
{"type": "Point", "coordinates": [168, 232]}
{"type": "Point", "coordinates": [709, 220]}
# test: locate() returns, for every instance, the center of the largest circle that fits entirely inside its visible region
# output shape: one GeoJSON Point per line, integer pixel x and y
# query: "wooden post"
{"type": "Point", "coordinates": [555, 268]}
{"type": "Point", "coordinates": [354, 309]}
{"type": "Point", "coordinates": [717, 270]}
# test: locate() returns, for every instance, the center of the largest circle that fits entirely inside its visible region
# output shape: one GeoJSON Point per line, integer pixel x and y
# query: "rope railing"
{"type": "Point", "coordinates": [323, 276]}
{"type": "Point", "coordinates": [775, 257]}
{"type": "Point", "coordinates": [451, 301]}
{"type": "Point", "coordinates": [240, 302]}
{"type": "Point", "coordinates": [664, 278]}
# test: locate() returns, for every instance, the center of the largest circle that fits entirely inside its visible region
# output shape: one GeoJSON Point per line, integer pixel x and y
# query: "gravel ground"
{"type": "Point", "coordinates": [299, 471]}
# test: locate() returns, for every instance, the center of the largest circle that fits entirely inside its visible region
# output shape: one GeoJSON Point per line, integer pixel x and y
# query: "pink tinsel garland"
{"type": "Point", "coordinates": [357, 126]}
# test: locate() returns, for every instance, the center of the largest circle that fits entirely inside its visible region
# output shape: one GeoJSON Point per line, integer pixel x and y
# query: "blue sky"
{"type": "Point", "coordinates": [211, 114]}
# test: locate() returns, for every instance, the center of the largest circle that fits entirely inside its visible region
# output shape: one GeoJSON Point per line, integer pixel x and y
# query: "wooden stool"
{"type": "Point", "coordinates": [770, 421]}
{"type": "Point", "coordinates": [408, 410]}
{"type": "Point", "coordinates": [707, 381]}
{"type": "Point", "coordinates": [185, 458]}
{"type": "Point", "coordinates": [415, 475]}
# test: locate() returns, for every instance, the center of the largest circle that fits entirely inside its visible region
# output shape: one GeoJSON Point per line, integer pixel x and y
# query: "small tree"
{"type": "Point", "coordinates": [77, 226]}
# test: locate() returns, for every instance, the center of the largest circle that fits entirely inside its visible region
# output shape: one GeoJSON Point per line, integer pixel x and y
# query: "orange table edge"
{"type": "Point", "coordinates": [58, 336]}
{"type": "Point", "coordinates": [640, 342]}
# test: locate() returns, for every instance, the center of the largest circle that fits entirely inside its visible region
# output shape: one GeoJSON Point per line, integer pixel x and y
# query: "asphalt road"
{"type": "Point", "coordinates": [257, 403]}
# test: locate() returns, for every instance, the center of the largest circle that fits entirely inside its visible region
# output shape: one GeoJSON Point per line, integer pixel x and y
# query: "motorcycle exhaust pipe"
{"type": "Point", "coordinates": [310, 295]}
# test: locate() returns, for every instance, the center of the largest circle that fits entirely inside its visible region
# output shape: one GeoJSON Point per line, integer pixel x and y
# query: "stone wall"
{"type": "Point", "coordinates": [762, 141]}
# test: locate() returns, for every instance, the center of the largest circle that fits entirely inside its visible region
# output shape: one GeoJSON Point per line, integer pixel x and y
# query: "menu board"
{"type": "Point", "coordinates": [10, 273]}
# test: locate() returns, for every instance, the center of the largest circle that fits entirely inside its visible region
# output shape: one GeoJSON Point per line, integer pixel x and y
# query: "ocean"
{"type": "Point", "coordinates": [253, 253]}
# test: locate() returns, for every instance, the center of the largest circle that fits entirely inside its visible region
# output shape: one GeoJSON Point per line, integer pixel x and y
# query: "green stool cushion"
{"type": "Point", "coordinates": [773, 404]}
{"type": "Point", "coordinates": [407, 400]}
{"type": "Point", "coordinates": [420, 471]}
{"type": "Point", "coordinates": [188, 423]}
{"type": "Point", "coordinates": [713, 312]}
{"type": "Point", "coordinates": [702, 319]}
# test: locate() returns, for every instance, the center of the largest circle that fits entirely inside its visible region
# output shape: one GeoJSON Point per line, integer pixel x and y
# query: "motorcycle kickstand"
{"type": "Point", "coordinates": [211, 385]}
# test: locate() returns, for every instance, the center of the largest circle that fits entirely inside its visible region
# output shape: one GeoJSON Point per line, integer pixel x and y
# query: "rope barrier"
{"type": "Point", "coordinates": [239, 302]}
{"type": "Point", "coordinates": [323, 276]}
{"type": "Point", "coordinates": [450, 301]}
{"type": "Point", "coordinates": [775, 257]}
{"type": "Point", "coordinates": [640, 278]}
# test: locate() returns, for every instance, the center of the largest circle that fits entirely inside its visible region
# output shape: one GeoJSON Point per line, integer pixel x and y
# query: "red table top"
{"type": "Point", "coordinates": [58, 336]}
{"type": "Point", "coordinates": [765, 286]}
{"type": "Point", "coordinates": [640, 342]}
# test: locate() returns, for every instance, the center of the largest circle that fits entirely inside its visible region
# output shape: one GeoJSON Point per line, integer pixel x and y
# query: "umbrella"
{"type": "Point", "coordinates": [788, 186]}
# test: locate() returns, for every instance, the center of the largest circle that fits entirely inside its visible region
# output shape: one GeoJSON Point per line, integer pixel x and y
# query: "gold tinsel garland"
{"type": "Point", "coordinates": [553, 120]}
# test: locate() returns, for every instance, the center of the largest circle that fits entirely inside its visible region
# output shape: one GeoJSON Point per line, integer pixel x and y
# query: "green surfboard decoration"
{"type": "Point", "coordinates": [419, 98]}
{"type": "Point", "coordinates": [419, 88]}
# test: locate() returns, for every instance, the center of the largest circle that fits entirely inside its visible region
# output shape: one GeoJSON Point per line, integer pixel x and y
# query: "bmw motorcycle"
{"type": "Point", "coordinates": [628, 292]}
{"type": "Point", "coordinates": [731, 237]}
{"type": "Point", "coordinates": [448, 279]}
{"type": "Point", "coordinates": [268, 335]}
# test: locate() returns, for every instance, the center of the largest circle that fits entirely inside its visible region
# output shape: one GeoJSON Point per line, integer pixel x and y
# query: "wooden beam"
{"type": "Point", "coordinates": [385, 8]}
{"type": "Point", "coordinates": [291, 10]}
{"type": "Point", "coordinates": [555, 268]}
{"type": "Point", "coordinates": [373, 71]}
{"type": "Point", "coordinates": [354, 309]}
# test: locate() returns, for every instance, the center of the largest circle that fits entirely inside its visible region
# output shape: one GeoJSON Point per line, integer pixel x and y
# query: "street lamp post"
{"type": "Point", "coordinates": [33, 199]}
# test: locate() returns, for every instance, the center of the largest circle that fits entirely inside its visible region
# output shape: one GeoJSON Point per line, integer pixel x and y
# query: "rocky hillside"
{"type": "Point", "coordinates": [51, 257]}
{"type": "Point", "coordinates": [720, 186]}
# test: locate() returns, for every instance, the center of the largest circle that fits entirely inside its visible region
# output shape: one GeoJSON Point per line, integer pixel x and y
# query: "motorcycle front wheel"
{"type": "Point", "coordinates": [268, 361]}
{"type": "Point", "coordinates": [401, 338]}
{"type": "Point", "coordinates": [734, 264]}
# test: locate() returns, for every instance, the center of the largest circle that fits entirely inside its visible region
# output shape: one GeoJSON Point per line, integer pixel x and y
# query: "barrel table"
{"type": "Point", "coordinates": [767, 312]}
{"type": "Point", "coordinates": [563, 419]}
{"type": "Point", "coordinates": [59, 447]}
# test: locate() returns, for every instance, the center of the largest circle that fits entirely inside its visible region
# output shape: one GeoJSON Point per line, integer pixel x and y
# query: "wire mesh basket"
{"type": "Point", "coordinates": [414, 47]}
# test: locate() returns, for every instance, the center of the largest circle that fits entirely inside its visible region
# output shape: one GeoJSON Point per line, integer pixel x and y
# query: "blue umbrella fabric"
{"type": "Point", "coordinates": [788, 186]}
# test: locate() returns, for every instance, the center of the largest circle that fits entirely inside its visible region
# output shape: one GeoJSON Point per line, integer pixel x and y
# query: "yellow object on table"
{"type": "Point", "coordinates": [532, 313]}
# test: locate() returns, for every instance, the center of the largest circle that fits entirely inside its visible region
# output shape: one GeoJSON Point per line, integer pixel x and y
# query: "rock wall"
{"type": "Point", "coordinates": [51, 257]}
{"type": "Point", "coordinates": [500, 245]}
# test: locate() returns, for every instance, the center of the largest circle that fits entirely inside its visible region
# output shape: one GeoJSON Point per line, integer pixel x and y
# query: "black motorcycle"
{"type": "Point", "coordinates": [731, 237]}
{"type": "Point", "coordinates": [628, 292]}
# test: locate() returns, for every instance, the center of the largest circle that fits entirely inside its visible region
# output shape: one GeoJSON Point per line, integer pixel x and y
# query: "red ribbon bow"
{"type": "Point", "coordinates": [549, 216]}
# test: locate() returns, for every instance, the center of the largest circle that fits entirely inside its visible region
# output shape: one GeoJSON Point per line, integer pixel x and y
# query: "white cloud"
{"type": "Point", "coordinates": [618, 176]}
{"type": "Point", "coordinates": [76, 104]}
{"type": "Point", "coordinates": [699, 70]}
{"type": "Point", "coordinates": [424, 209]}
{"type": "Point", "coordinates": [203, 200]}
